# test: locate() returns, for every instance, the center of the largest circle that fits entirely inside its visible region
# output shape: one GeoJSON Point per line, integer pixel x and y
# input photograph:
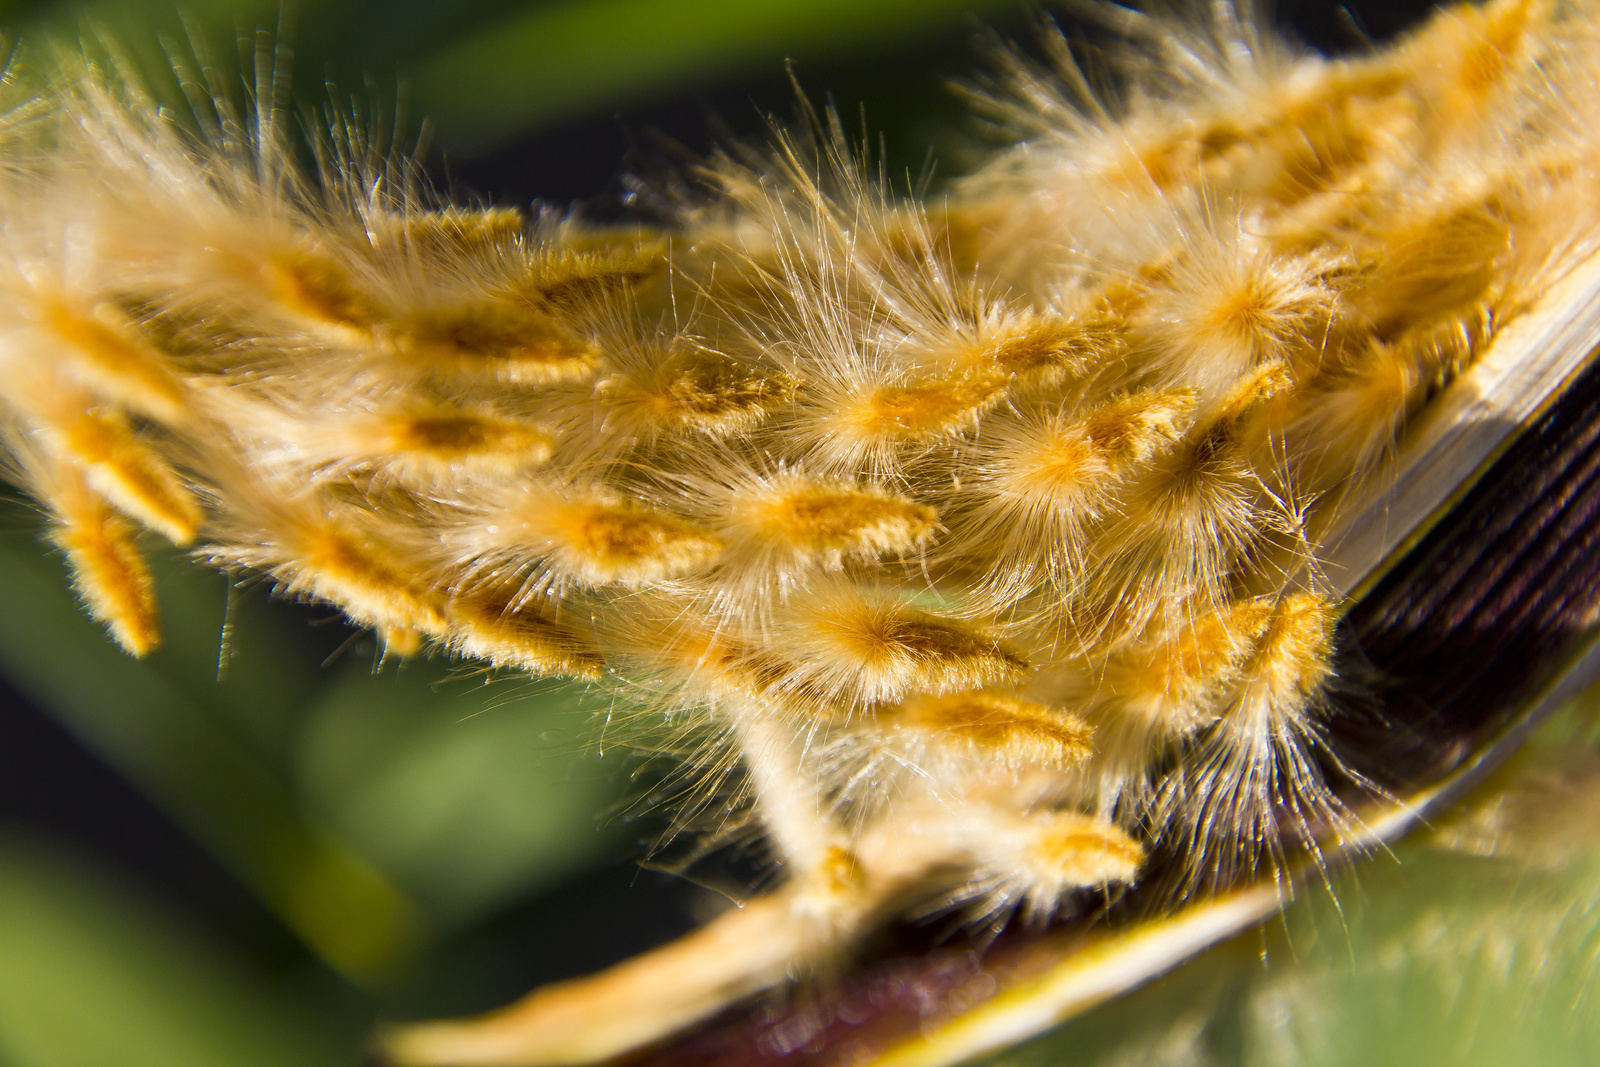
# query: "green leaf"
{"type": "Point", "coordinates": [90, 976]}
{"type": "Point", "coordinates": [1477, 945]}
{"type": "Point", "coordinates": [560, 59]}
{"type": "Point", "coordinates": [174, 735]}
{"type": "Point", "coordinates": [468, 795]}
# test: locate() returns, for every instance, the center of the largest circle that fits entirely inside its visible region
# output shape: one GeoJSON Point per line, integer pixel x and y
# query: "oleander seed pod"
{"type": "Point", "coordinates": [1036, 553]}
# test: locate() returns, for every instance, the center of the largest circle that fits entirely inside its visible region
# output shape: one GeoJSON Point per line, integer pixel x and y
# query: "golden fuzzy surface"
{"type": "Point", "coordinates": [978, 531]}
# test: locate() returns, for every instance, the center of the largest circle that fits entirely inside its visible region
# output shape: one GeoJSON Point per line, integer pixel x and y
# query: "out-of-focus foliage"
{"type": "Point", "coordinates": [467, 797]}
{"type": "Point", "coordinates": [559, 58]}
{"type": "Point", "coordinates": [369, 808]}
{"type": "Point", "coordinates": [484, 71]}
{"type": "Point", "coordinates": [1475, 944]}
{"type": "Point", "coordinates": [91, 975]}
{"type": "Point", "coordinates": [209, 751]}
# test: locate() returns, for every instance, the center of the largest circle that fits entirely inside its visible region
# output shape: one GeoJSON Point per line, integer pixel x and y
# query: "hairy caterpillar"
{"type": "Point", "coordinates": [987, 536]}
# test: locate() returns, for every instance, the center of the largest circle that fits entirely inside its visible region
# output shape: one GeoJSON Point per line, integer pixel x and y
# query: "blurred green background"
{"type": "Point", "coordinates": [246, 848]}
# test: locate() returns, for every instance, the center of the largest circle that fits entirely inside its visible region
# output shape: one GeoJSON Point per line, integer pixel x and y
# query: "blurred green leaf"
{"type": "Point", "coordinates": [561, 59]}
{"type": "Point", "coordinates": [487, 70]}
{"type": "Point", "coordinates": [1427, 955]}
{"type": "Point", "coordinates": [169, 732]}
{"type": "Point", "coordinates": [90, 977]}
{"type": "Point", "coordinates": [465, 794]}
{"type": "Point", "coordinates": [370, 810]}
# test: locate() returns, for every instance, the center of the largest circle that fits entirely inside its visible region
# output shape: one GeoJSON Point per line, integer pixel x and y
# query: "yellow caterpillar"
{"type": "Point", "coordinates": [983, 536]}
